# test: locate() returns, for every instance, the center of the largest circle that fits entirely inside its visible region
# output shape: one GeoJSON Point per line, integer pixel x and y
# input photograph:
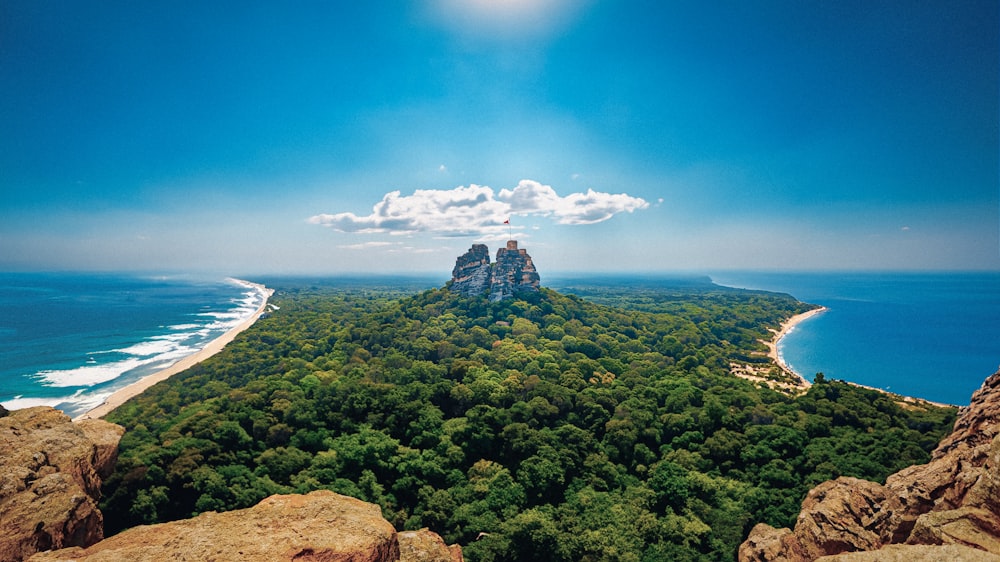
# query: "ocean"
{"type": "Point", "coordinates": [929, 335]}
{"type": "Point", "coordinates": [70, 340]}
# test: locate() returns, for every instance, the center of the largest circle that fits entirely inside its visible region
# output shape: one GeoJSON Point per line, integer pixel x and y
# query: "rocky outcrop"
{"type": "Point", "coordinates": [471, 275]}
{"type": "Point", "coordinates": [916, 553]}
{"type": "Point", "coordinates": [953, 500]}
{"type": "Point", "coordinates": [50, 480]}
{"type": "Point", "coordinates": [513, 273]}
{"type": "Point", "coordinates": [319, 526]}
{"type": "Point", "coordinates": [427, 546]}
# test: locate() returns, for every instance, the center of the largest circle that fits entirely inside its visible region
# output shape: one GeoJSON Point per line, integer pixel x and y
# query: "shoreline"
{"type": "Point", "coordinates": [790, 324]}
{"type": "Point", "coordinates": [786, 327]}
{"type": "Point", "coordinates": [124, 394]}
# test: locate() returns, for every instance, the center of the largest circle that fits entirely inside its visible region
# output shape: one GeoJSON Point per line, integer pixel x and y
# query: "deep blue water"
{"type": "Point", "coordinates": [930, 335]}
{"type": "Point", "coordinates": [70, 340]}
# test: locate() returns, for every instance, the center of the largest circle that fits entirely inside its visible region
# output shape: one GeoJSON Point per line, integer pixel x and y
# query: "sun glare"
{"type": "Point", "coordinates": [506, 18]}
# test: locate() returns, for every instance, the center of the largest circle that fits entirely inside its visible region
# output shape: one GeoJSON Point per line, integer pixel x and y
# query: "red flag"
{"type": "Point", "coordinates": [506, 221]}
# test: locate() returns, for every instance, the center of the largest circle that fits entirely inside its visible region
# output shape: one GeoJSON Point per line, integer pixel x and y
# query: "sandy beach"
{"type": "Point", "coordinates": [787, 326]}
{"type": "Point", "coordinates": [120, 396]}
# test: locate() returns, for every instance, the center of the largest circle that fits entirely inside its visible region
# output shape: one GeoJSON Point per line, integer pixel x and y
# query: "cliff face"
{"type": "Point", "coordinates": [471, 275]}
{"type": "Point", "coordinates": [513, 272]}
{"type": "Point", "coordinates": [50, 480]}
{"type": "Point", "coordinates": [319, 526]}
{"type": "Point", "coordinates": [953, 500]}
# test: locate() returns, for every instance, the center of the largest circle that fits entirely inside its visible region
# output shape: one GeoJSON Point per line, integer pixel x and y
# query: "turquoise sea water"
{"type": "Point", "coordinates": [931, 335]}
{"type": "Point", "coordinates": [69, 341]}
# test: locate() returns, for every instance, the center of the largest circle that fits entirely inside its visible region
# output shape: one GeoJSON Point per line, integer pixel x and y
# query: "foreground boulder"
{"type": "Point", "coordinates": [319, 526]}
{"type": "Point", "coordinates": [952, 500]}
{"type": "Point", "coordinates": [50, 480]}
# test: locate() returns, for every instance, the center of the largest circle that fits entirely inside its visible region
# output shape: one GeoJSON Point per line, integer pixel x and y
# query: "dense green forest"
{"type": "Point", "coordinates": [551, 427]}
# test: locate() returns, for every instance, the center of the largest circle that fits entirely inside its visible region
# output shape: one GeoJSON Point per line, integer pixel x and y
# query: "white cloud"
{"type": "Point", "coordinates": [477, 210]}
{"type": "Point", "coordinates": [364, 245]}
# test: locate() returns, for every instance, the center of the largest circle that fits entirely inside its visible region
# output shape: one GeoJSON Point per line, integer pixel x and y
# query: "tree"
{"type": "Point", "coordinates": [604, 426]}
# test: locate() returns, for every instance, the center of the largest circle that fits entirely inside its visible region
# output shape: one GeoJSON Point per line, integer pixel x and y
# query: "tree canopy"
{"type": "Point", "coordinates": [548, 427]}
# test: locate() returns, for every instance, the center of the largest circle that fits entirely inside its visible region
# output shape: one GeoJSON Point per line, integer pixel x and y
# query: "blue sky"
{"type": "Point", "coordinates": [335, 137]}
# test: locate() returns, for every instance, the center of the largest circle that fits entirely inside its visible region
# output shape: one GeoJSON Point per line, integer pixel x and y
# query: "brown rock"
{"type": "Point", "coordinates": [319, 526]}
{"type": "Point", "coordinates": [50, 480]}
{"type": "Point", "coordinates": [915, 553]}
{"type": "Point", "coordinates": [976, 425]}
{"type": "Point", "coordinates": [985, 493]}
{"type": "Point", "coordinates": [426, 546]}
{"type": "Point", "coordinates": [844, 515]}
{"type": "Point", "coordinates": [105, 437]}
{"type": "Point", "coordinates": [766, 543]}
{"type": "Point", "coordinates": [963, 468]}
{"type": "Point", "coordinates": [957, 464]}
{"type": "Point", "coordinates": [952, 500]}
{"type": "Point", "coordinates": [969, 526]}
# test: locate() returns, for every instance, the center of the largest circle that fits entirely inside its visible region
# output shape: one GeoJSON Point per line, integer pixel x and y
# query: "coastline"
{"type": "Point", "coordinates": [790, 324]}
{"type": "Point", "coordinates": [786, 327]}
{"type": "Point", "coordinates": [122, 395]}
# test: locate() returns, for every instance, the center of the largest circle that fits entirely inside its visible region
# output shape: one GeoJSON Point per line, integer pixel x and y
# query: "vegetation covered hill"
{"type": "Point", "coordinates": [544, 428]}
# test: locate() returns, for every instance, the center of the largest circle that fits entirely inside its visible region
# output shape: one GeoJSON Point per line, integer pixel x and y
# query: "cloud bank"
{"type": "Point", "coordinates": [478, 210]}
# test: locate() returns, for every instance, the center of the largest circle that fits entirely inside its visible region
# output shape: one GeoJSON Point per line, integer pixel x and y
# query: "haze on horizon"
{"type": "Point", "coordinates": [646, 136]}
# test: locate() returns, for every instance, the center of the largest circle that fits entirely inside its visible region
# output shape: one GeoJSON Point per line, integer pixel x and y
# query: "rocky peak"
{"type": "Point", "coordinates": [50, 480]}
{"type": "Point", "coordinates": [954, 501]}
{"type": "Point", "coordinates": [513, 272]}
{"type": "Point", "coordinates": [471, 276]}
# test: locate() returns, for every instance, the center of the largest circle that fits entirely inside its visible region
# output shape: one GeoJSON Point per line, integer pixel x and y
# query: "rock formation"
{"type": "Point", "coordinates": [319, 526]}
{"type": "Point", "coordinates": [953, 500]}
{"type": "Point", "coordinates": [471, 276]}
{"type": "Point", "coordinates": [427, 546]}
{"type": "Point", "coordinates": [50, 480]}
{"type": "Point", "coordinates": [512, 273]}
